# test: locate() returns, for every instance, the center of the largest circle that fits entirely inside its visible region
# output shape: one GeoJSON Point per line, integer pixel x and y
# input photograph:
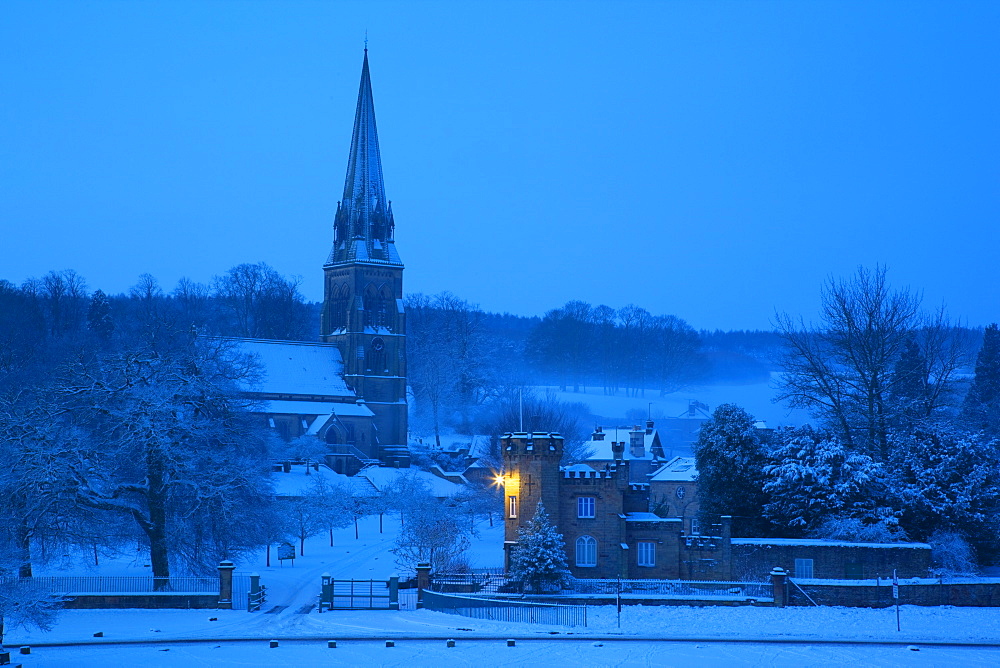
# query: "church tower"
{"type": "Point", "coordinates": [363, 289]}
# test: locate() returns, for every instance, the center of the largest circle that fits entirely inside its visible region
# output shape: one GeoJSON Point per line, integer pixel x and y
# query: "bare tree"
{"type": "Point", "coordinates": [842, 370]}
{"type": "Point", "coordinates": [261, 301]}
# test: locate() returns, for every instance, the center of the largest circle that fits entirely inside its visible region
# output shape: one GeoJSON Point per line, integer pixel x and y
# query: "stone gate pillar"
{"type": "Point", "coordinates": [779, 578]}
{"type": "Point", "coordinates": [226, 585]}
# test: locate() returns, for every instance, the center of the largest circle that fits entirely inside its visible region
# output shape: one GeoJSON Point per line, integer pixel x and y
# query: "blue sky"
{"type": "Point", "coordinates": [712, 160]}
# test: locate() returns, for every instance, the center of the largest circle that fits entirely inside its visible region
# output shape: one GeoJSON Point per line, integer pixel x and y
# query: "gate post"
{"type": "Point", "coordinates": [326, 591]}
{"type": "Point", "coordinates": [253, 600]}
{"type": "Point", "coordinates": [394, 592]}
{"type": "Point", "coordinates": [780, 593]}
{"type": "Point", "coordinates": [226, 585]}
{"type": "Point", "coordinates": [423, 581]}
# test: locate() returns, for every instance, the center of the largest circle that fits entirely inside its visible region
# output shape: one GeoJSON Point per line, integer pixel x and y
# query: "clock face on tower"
{"type": "Point", "coordinates": [680, 492]}
{"type": "Point", "coordinates": [378, 344]}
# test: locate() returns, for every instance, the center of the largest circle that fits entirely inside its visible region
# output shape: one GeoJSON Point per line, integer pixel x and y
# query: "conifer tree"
{"type": "Point", "coordinates": [730, 459]}
{"type": "Point", "coordinates": [540, 556]}
{"type": "Point", "coordinates": [982, 404]}
{"type": "Point", "coordinates": [812, 477]}
{"type": "Point", "coordinates": [99, 318]}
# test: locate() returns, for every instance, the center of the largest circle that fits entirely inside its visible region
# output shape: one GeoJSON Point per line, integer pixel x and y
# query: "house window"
{"type": "Point", "coordinates": [804, 568]}
{"type": "Point", "coordinates": [512, 507]}
{"type": "Point", "coordinates": [585, 506]}
{"type": "Point", "coordinates": [586, 551]}
{"type": "Point", "coordinates": [647, 553]}
{"type": "Point", "coordinates": [695, 526]}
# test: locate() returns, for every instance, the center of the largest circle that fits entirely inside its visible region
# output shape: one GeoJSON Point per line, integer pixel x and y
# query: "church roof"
{"type": "Point", "coordinates": [315, 408]}
{"type": "Point", "coordinates": [297, 368]}
{"type": "Point", "coordinates": [364, 224]}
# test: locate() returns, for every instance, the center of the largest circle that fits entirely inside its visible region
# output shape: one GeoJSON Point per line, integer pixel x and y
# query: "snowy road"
{"type": "Point", "coordinates": [563, 652]}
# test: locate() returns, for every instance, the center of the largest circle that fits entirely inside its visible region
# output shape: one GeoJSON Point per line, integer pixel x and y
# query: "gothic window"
{"type": "Point", "coordinates": [647, 553]}
{"type": "Point", "coordinates": [338, 316]}
{"type": "Point", "coordinates": [375, 360]}
{"type": "Point", "coordinates": [385, 302]}
{"type": "Point", "coordinates": [372, 306]}
{"type": "Point", "coordinates": [512, 507]}
{"type": "Point", "coordinates": [586, 551]}
{"type": "Point", "coordinates": [585, 506]}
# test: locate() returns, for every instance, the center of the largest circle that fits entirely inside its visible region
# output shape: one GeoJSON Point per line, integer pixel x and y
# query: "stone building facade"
{"type": "Point", "coordinates": [609, 531]}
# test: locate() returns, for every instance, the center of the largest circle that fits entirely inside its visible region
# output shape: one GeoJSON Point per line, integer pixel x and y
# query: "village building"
{"type": "Point", "coordinates": [610, 531]}
{"type": "Point", "coordinates": [643, 450]}
{"type": "Point", "coordinates": [673, 492]}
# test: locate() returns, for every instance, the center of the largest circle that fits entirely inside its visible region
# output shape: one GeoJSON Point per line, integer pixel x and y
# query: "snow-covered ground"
{"type": "Point", "coordinates": [361, 634]}
{"type": "Point", "coordinates": [756, 398]}
{"type": "Point", "coordinates": [418, 653]}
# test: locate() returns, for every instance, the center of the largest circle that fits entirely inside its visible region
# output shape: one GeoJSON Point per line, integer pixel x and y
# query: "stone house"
{"type": "Point", "coordinates": [605, 519]}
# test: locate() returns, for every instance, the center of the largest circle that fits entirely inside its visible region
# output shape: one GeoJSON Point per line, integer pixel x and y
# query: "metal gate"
{"type": "Point", "coordinates": [359, 594]}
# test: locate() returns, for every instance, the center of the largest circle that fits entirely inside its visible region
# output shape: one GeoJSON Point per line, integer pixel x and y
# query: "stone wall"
{"type": "Point", "coordinates": [147, 600]}
{"type": "Point", "coordinates": [754, 558]}
{"type": "Point", "coordinates": [878, 594]}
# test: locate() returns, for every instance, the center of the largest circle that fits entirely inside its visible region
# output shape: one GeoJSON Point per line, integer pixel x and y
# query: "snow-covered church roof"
{"type": "Point", "coordinates": [296, 368]}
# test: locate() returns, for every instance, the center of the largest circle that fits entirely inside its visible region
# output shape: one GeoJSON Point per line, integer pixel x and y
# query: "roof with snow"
{"type": "Point", "coordinates": [649, 517]}
{"type": "Point", "coordinates": [601, 450]}
{"type": "Point", "coordinates": [295, 367]}
{"type": "Point", "coordinates": [383, 476]}
{"type": "Point", "coordinates": [678, 469]}
{"type": "Point", "coordinates": [315, 408]}
{"type": "Point", "coordinates": [819, 542]}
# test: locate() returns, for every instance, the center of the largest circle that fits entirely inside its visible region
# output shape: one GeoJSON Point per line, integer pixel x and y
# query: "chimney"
{"type": "Point", "coordinates": [598, 434]}
{"type": "Point", "coordinates": [649, 427]}
{"type": "Point", "coordinates": [637, 443]}
{"type": "Point", "coordinates": [618, 449]}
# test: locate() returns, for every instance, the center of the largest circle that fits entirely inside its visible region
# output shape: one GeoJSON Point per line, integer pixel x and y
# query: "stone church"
{"type": "Point", "coordinates": [350, 389]}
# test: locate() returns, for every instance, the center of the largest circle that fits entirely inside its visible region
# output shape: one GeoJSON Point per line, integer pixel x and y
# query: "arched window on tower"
{"type": "Point", "coordinates": [341, 297]}
{"type": "Point", "coordinates": [372, 306]}
{"type": "Point", "coordinates": [385, 304]}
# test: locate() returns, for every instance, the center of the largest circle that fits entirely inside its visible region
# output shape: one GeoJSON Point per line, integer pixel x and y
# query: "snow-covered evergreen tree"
{"type": "Point", "coordinates": [539, 559]}
{"type": "Point", "coordinates": [812, 477]}
{"type": "Point", "coordinates": [730, 459]}
{"type": "Point", "coordinates": [982, 404]}
{"type": "Point", "coordinates": [99, 318]}
{"type": "Point", "coordinates": [947, 478]}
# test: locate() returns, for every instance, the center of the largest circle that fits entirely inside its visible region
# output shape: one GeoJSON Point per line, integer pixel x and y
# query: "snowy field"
{"type": "Point", "coordinates": [754, 397]}
{"type": "Point", "coordinates": [643, 638]}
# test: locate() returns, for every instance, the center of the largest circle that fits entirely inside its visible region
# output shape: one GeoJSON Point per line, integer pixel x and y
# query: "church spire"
{"type": "Point", "coordinates": [363, 228]}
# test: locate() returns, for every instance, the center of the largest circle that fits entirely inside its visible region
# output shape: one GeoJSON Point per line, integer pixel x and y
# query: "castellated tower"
{"type": "Point", "coordinates": [531, 474]}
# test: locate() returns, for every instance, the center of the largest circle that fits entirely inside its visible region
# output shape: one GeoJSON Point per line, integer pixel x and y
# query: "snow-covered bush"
{"type": "Point", "coordinates": [951, 554]}
{"type": "Point", "coordinates": [881, 526]}
{"type": "Point", "coordinates": [432, 531]}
